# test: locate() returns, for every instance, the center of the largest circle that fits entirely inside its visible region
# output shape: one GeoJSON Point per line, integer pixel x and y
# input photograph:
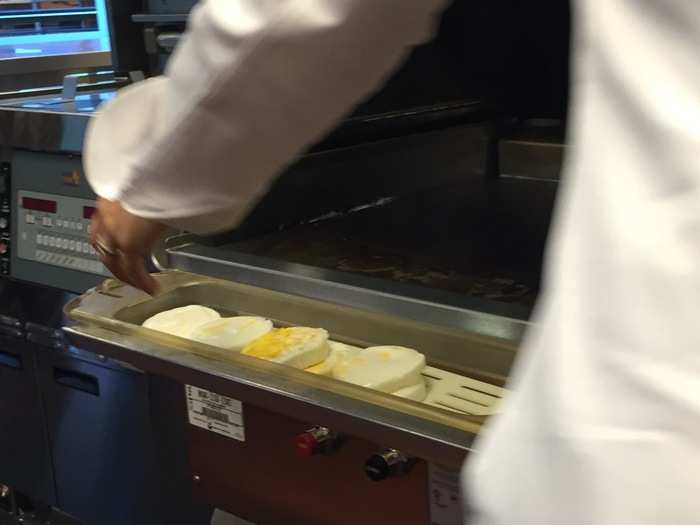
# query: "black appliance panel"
{"type": "Point", "coordinates": [99, 434]}
{"type": "Point", "coordinates": [25, 461]}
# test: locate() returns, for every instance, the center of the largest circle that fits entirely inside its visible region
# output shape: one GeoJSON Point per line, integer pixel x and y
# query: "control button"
{"type": "Point", "coordinates": [86, 247]}
{"type": "Point", "coordinates": [40, 240]}
{"type": "Point", "coordinates": [52, 242]}
{"type": "Point", "coordinates": [47, 222]}
{"type": "Point", "coordinates": [59, 223]}
{"type": "Point", "coordinates": [389, 463]}
{"type": "Point", "coordinates": [64, 243]}
{"type": "Point", "coordinates": [3, 223]}
{"type": "Point", "coordinates": [89, 227]}
{"type": "Point", "coordinates": [71, 245]}
{"type": "Point", "coordinates": [62, 259]}
{"type": "Point", "coordinates": [79, 226]}
{"type": "Point", "coordinates": [24, 236]}
{"type": "Point", "coordinates": [92, 250]}
{"type": "Point", "coordinates": [314, 441]}
{"type": "Point", "coordinates": [3, 248]}
{"type": "Point", "coordinates": [30, 219]}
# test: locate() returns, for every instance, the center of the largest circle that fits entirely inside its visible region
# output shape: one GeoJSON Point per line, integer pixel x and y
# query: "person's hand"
{"type": "Point", "coordinates": [124, 241]}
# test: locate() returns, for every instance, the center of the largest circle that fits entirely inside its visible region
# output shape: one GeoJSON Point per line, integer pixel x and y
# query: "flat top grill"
{"type": "Point", "coordinates": [473, 238]}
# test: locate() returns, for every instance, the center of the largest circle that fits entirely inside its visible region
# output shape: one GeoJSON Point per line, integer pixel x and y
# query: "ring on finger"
{"type": "Point", "coordinates": [103, 247]}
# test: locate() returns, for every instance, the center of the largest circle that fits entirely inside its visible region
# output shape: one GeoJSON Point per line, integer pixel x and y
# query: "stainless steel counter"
{"type": "Point", "coordinates": [49, 124]}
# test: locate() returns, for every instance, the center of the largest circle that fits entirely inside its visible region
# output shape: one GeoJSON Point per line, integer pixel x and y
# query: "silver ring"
{"type": "Point", "coordinates": [103, 248]}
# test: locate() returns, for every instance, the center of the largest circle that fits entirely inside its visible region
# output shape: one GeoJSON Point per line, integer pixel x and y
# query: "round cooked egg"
{"type": "Point", "coordinates": [298, 347]}
{"type": "Point", "coordinates": [181, 321]}
{"type": "Point", "coordinates": [232, 333]}
{"type": "Point", "coordinates": [417, 392]}
{"type": "Point", "coordinates": [384, 368]}
{"type": "Point", "coordinates": [339, 352]}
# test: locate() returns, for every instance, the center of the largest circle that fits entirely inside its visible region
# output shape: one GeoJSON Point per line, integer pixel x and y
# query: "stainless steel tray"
{"type": "Point", "coordinates": [109, 319]}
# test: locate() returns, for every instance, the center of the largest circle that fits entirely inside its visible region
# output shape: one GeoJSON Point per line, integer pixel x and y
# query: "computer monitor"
{"type": "Point", "coordinates": [53, 35]}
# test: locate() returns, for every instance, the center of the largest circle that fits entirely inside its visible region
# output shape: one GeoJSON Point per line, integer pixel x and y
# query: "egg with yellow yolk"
{"type": "Point", "coordinates": [384, 368]}
{"type": "Point", "coordinates": [339, 352]}
{"type": "Point", "coordinates": [298, 347]}
{"type": "Point", "coordinates": [232, 333]}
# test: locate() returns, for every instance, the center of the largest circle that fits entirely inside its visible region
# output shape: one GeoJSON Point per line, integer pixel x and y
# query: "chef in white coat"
{"type": "Point", "coordinates": [603, 426]}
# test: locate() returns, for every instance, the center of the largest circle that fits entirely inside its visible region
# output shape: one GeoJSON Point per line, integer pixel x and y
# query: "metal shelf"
{"type": "Point", "coordinates": [159, 19]}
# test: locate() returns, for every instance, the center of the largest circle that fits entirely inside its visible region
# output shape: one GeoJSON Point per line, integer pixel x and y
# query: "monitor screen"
{"type": "Point", "coordinates": [37, 30]}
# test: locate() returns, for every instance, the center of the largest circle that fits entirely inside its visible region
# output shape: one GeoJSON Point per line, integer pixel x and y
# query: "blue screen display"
{"type": "Point", "coordinates": [40, 28]}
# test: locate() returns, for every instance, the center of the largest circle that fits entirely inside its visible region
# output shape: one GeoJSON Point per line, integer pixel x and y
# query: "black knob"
{"type": "Point", "coordinates": [389, 463]}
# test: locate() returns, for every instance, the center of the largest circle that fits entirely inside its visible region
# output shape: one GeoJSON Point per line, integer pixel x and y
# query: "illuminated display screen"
{"type": "Point", "coordinates": [88, 212]}
{"type": "Point", "coordinates": [43, 205]}
{"type": "Point", "coordinates": [41, 28]}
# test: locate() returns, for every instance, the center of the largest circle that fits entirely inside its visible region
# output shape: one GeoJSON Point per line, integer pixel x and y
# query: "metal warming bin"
{"type": "Point", "coordinates": [246, 413]}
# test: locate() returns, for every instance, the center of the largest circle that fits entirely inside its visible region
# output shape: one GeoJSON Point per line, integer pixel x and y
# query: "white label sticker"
{"type": "Point", "coordinates": [215, 412]}
{"type": "Point", "coordinates": [445, 496]}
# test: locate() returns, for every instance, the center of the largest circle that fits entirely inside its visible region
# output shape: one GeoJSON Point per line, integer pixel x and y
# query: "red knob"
{"type": "Point", "coordinates": [306, 444]}
{"type": "Point", "coordinates": [313, 441]}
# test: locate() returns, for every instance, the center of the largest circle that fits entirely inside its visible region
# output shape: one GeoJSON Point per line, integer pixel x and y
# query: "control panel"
{"type": "Point", "coordinates": [51, 209]}
{"type": "Point", "coordinates": [54, 230]}
{"type": "Point", "coordinates": [5, 218]}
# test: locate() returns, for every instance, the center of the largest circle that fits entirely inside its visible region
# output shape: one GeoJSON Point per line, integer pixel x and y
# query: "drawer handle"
{"type": "Point", "coordinates": [10, 361]}
{"type": "Point", "coordinates": [77, 381]}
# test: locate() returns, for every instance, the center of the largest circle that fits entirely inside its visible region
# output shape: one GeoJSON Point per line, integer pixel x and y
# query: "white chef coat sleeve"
{"type": "Point", "coordinates": [253, 83]}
